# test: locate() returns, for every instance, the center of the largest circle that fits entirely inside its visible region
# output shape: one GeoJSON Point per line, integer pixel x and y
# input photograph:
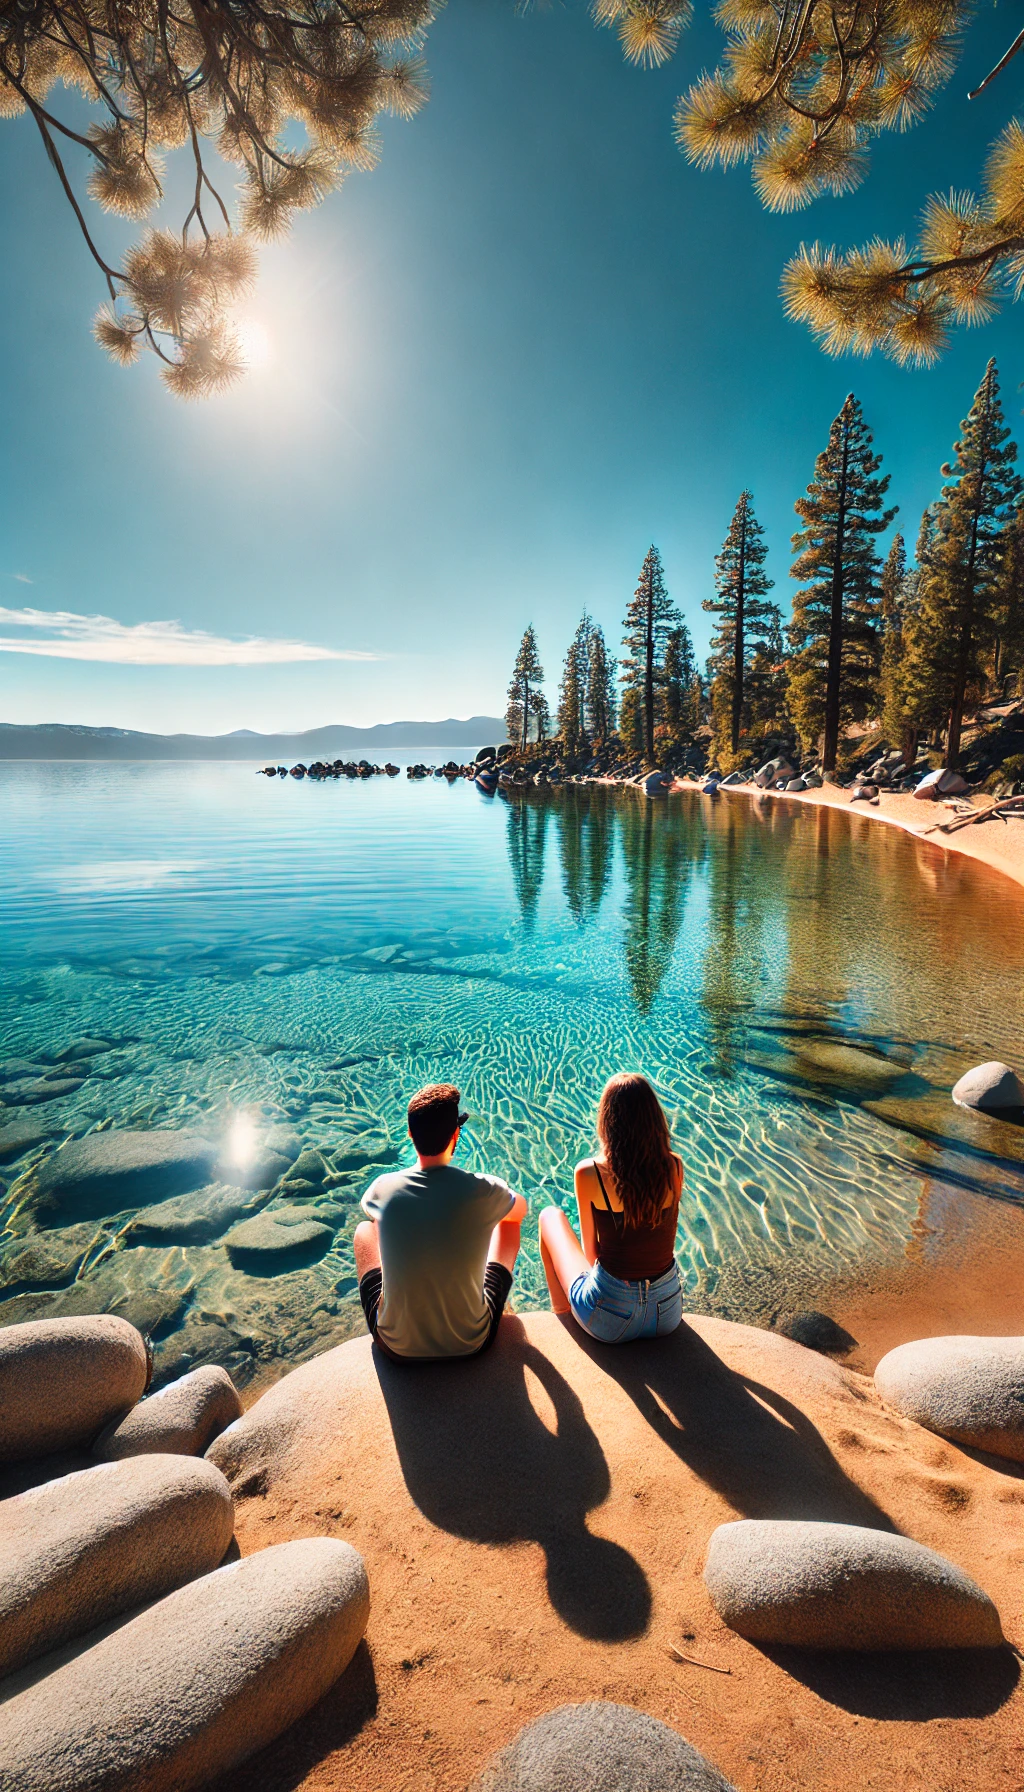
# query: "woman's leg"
{"type": "Point", "coordinates": [562, 1256]}
{"type": "Point", "coordinates": [367, 1250]}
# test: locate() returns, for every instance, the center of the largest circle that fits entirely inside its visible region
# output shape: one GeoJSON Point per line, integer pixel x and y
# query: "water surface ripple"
{"type": "Point", "coordinates": [802, 986]}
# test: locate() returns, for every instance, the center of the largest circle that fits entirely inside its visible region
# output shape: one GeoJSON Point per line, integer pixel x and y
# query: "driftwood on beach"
{"type": "Point", "coordinates": [1007, 805]}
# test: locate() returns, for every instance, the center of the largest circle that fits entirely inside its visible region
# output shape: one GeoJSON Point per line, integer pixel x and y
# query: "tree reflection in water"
{"type": "Point", "coordinates": [527, 826]}
{"type": "Point", "coordinates": [586, 837]}
{"type": "Point", "coordinates": [659, 852]}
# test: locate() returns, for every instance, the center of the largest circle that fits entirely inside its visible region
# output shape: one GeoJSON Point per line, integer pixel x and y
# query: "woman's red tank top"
{"type": "Point", "coordinates": [634, 1253]}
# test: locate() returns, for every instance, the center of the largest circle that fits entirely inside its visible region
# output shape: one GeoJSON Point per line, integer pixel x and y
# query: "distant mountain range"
{"type": "Point", "coordinates": [57, 740]}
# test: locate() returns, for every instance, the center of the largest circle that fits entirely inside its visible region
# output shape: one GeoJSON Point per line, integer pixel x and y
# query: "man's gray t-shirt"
{"type": "Point", "coordinates": [433, 1228]}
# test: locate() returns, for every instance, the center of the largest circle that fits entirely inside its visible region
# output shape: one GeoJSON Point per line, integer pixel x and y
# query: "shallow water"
{"type": "Point", "coordinates": [803, 986]}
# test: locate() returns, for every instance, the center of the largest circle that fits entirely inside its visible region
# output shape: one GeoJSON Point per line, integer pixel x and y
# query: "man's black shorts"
{"type": "Point", "coordinates": [497, 1283]}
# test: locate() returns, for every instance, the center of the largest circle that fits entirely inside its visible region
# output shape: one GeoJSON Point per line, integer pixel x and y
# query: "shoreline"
{"type": "Point", "coordinates": [1000, 845]}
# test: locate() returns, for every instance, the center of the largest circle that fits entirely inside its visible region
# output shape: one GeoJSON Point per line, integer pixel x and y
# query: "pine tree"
{"type": "Point", "coordinates": [833, 674]}
{"type": "Point", "coordinates": [601, 695]}
{"type": "Point", "coordinates": [954, 632]}
{"type": "Point", "coordinates": [527, 677]}
{"type": "Point", "coordinates": [1009, 654]}
{"type": "Point", "coordinates": [649, 618]}
{"type": "Point", "coordinates": [679, 685]}
{"type": "Point", "coordinates": [896, 725]}
{"type": "Point", "coordinates": [744, 616]}
{"type": "Point", "coordinates": [767, 682]}
{"type": "Point", "coordinates": [572, 692]}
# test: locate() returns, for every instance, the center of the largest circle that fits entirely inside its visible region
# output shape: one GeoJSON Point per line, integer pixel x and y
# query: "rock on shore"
{"type": "Point", "coordinates": [968, 1389]}
{"type": "Point", "coordinates": [194, 1684]}
{"type": "Point", "coordinates": [841, 1586]}
{"type": "Point", "coordinates": [181, 1419]}
{"type": "Point", "coordinates": [62, 1380]}
{"type": "Point", "coordinates": [599, 1747]}
{"type": "Point", "coordinates": [79, 1550]}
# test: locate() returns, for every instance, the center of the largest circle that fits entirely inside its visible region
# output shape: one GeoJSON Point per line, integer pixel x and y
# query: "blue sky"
{"type": "Point", "coordinates": [533, 341]}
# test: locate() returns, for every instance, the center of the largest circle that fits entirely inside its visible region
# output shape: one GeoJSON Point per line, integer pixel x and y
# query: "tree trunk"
{"type": "Point", "coordinates": [526, 713]}
{"type": "Point", "coordinates": [909, 747]}
{"type": "Point", "coordinates": [738, 646]}
{"type": "Point", "coordinates": [649, 681]}
{"type": "Point", "coordinates": [830, 744]}
{"type": "Point", "coordinates": [963, 658]}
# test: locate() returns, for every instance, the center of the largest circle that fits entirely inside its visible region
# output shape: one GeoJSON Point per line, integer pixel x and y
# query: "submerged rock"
{"type": "Point", "coordinates": [196, 1683]}
{"type": "Point", "coordinates": [192, 1218]}
{"type": "Point", "coordinates": [842, 1586]}
{"type": "Point", "coordinates": [19, 1136]}
{"type": "Point", "coordinates": [198, 1343]}
{"type": "Point", "coordinates": [182, 1419]}
{"type": "Point", "coordinates": [123, 1533]}
{"type": "Point", "coordinates": [990, 1087]}
{"type": "Point", "coordinates": [62, 1380]}
{"type": "Point", "coordinates": [34, 1090]}
{"type": "Point", "coordinates": [108, 1171]}
{"type": "Point", "coordinates": [46, 1260]}
{"type": "Point", "coordinates": [970, 1390]}
{"type": "Point", "coordinates": [599, 1747]}
{"type": "Point", "coordinates": [276, 1234]}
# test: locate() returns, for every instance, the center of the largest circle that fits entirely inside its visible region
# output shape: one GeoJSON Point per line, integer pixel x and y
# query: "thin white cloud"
{"type": "Point", "coordinates": [61, 635]}
{"type": "Point", "coordinates": [22, 578]}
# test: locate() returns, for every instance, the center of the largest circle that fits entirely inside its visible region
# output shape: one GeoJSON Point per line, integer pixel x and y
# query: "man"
{"type": "Point", "coordinates": [436, 1252]}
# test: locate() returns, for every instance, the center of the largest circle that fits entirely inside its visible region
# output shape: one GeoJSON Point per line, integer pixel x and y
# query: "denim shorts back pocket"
{"type": "Point", "coordinates": [607, 1323]}
{"type": "Point", "coordinates": [670, 1312]}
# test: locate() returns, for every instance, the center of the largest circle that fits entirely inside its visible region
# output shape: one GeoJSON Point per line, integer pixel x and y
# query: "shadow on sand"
{"type": "Point", "coordinates": [911, 1687]}
{"type": "Point", "coordinates": [754, 1447]}
{"type": "Point", "coordinates": [484, 1466]}
{"type": "Point", "coordinates": [340, 1715]}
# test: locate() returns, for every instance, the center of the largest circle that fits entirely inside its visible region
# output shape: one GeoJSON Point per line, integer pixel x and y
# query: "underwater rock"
{"type": "Point", "coordinates": [599, 1747]}
{"type": "Point", "coordinates": [841, 1586]}
{"type": "Point", "coordinates": [970, 1390]}
{"type": "Point", "coordinates": [266, 1168]}
{"type": "Point", "coordinates": [33, 1091]}
{"type": "Point", "coordinates": [361, 1152]}
{"type": "Point", "coordinates": [989, 1087]}
{"type": "Point", "coordinates": [123, 1534]}
{"type": "Point", "coordinates": [82, 1048]}
{"type": "Point", "coordinates": [123, 1285]}
{"type": "Point", "coordinates": [309, 1165]}
{"type": "Point", "coordinates": [46, 1260]}
{"type": "Point", "coordinates": [181, 1419]}
{"type": "Point", "coordinates": [193, 1218]}
{"type": "Point", "coordinates": [19, 1136]}
{"type": "Point", "coordinates": [108, 1171]}
{"type": "Point", "coordinates": [199, 1341]}
{"type": "Point", "coordinates": [62, 1380]}
{"type": "Point", "coordinates": [194, 1684]}
{"type": "Point", "coordinates": [276, 1234]}
{"type": "Point", "coordinates": [846, 1066]}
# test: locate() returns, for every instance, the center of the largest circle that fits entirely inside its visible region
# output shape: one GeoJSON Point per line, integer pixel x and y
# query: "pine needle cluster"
{"type": "Point", "coordinates": [969, 257]}
{"type": "Point", "coordinates": [239, 77]}
{"type": "Point", "coordinates": [803, 88]}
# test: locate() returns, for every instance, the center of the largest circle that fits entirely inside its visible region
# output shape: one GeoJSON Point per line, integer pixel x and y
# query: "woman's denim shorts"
{"type": "Point", "coordinates": [617, 1312]}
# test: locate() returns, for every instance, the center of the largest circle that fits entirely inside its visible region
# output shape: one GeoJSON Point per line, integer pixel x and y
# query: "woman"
{"type": "Point", "coordinates": [623, 1283]}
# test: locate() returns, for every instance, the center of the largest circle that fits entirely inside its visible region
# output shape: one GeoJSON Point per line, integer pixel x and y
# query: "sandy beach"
{"type": "Point", "coordinates": [996, 843]}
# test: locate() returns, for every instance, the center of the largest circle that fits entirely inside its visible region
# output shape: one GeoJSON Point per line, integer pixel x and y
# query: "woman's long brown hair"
{"type": "Point", "coordinates": [637, 1148]}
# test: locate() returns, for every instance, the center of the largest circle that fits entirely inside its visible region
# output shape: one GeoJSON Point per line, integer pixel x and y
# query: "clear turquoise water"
{"type": "Point", "coordinates": [802, 986]}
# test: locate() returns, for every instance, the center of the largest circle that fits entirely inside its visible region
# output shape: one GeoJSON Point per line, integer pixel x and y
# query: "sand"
{"type": "Point", "coordinates": [535, 1526]}
{"type": "Point", "coordinates": [996, 843]}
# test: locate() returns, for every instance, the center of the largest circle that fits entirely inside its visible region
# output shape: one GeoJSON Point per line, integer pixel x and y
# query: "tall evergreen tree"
{"type": "Point", "coordinates": [1009, 654]}
{"type": "Point", "coordinates": [956, 626]}
{"type": "Point", "coordinates": [601, 695]}
{"type": "Point", "coordinates": [833, 674]}
{"type": "Point", "coordinates": [679, 685]}
{"type": "Point", "coordinates": [744, 619]}
{"type": "Point", "coordinates": [649, 618]}
{"type": "Point", "coordinates": [527, 678]}
{"type": "Point", "coordinates": [896, 724]}
{"type": "Point", "coordinates": [572, 692]}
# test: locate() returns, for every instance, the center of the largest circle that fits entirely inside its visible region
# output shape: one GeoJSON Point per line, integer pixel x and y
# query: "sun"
{"type": "Point", "coordinates": [256, 343]}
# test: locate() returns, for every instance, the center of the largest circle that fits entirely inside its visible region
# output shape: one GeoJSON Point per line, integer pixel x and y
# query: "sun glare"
{"type": "Point", "coordinates": [256, 343]}
{"type": "Point", "coordinates": [242, 1142]}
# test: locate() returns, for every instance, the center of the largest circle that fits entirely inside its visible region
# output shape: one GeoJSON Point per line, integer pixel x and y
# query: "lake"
{"type": "Point", "coordinates": [274, 960]}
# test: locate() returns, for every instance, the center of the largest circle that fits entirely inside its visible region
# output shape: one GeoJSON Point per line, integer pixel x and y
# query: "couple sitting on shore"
{"type": "Point", "coordinates": [436, 1253]}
